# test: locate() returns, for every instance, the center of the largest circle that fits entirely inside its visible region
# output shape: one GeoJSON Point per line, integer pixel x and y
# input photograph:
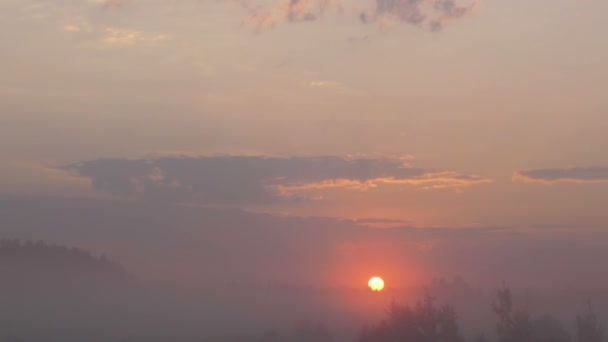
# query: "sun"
{"type": "Point", "coordinates": [376, 284]}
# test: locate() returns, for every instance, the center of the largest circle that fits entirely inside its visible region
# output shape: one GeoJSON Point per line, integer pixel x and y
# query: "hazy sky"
{"type": "Point", "coordinates": [434, 113]}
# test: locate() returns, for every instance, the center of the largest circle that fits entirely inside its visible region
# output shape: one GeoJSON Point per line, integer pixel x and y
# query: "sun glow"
{"type": "Point", "coordinates": [376, 284]}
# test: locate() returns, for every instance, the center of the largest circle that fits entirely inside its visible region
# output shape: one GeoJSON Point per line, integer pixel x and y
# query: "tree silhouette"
{"type": "Point", "coordinates": [517, 325]}
{"type": "Point", "coordinates": [482, 338]}
{"type": "Point", "coordinates": [39, 266]}
{"type": "Point", "coordinates": [512, 326]}
{"type": "Point", "coordinates": [588, 328]}
{"type": "Point", "coordinates": [549, 329]}
{"type": "Point", "coordinates": [425, 322]}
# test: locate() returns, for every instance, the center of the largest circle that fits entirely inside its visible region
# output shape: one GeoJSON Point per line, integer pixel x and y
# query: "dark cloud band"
{"type": "Point", "coordinates": [256, 179]}
{"type": "Point", "coordinates": [572, 175]}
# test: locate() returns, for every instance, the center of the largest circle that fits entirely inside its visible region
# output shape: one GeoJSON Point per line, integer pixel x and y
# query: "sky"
{"type": "Point", "coordinates": [434, 114]}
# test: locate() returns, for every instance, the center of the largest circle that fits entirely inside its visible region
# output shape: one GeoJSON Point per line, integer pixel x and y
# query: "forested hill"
{"type": "Point", "coordinates": [38, 265]}
{"type": "Point", "coordinates": [56, 294]}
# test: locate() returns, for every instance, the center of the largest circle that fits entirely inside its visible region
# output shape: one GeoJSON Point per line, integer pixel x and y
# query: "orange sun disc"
{"type": "Point", "coordinates": [376, 284]}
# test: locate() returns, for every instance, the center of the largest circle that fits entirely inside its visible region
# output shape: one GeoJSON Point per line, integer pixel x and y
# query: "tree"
{"type": "Point", "coordinates": [549, 329]}
{"type": "Point", "coordinates": [482, 338]}
{"type": "Point", "coordinates": [512, 326]}
{"type": "Point", "coordinates": [588, 328]}
{"type": "Point", "coordinates": [425, 322]}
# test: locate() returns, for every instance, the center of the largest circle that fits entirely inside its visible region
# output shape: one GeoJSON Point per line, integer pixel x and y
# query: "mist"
{"type": "Point", "coordinates": [100, 269]}
{"type": "Point", "coordinates": [239, 170]}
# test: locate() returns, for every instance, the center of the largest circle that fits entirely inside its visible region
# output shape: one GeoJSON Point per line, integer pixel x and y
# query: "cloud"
{"type": "Point", "coordinates": [286, 11]}
{"type": "Point", "coordinates": [72, 28]}
{"type": "Point", "coordinates": [110, 3]}
{"type": "Point", "coordinates": [262, 14]}
{"type": "Point", "coordinates": [24, 177]}
{"type": "Point", "coordinates": [450, 10]}
{"type": "Point", "coordinates": [121, 36]}
{"type": "Point", "coordinates": [258, 179]}
{"type": "Point", "coordinates": [430, 14]}
{"type": "Point", "coordinates": [563, 175]}
{"type": "Point", "coordinates": [112, 36]}
{"type": "Point", "coordinates": [381, 223]}
{"type": "Point", "coordinates": [323, 83]}
{"type": "Point", "coordinates": [427, 181]}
